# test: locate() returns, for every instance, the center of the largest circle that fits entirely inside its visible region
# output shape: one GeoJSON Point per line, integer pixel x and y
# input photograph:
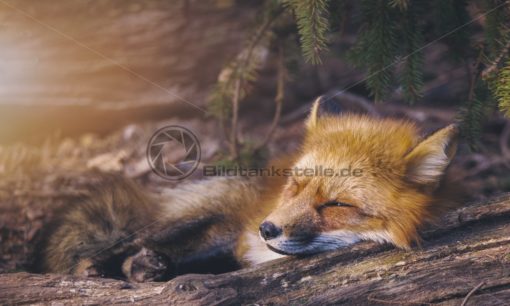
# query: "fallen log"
{"type": "Point", "coordinates": [464, 259]}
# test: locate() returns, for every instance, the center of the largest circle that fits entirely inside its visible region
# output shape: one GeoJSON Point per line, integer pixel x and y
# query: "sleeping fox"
{"type": "Point", "coordinates": [224, 223]}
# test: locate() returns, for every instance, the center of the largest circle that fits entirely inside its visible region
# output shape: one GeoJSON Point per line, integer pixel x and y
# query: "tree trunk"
{"type": "Point", "coordinates": [466, 257]}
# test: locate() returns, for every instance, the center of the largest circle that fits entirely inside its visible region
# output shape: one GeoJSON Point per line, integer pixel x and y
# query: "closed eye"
{"type": "Point", "coordinates": [336, 204]}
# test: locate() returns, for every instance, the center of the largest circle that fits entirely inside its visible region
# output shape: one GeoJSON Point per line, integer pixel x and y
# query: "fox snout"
{"type": "Point", "coordinates": [289, 223]}
{"type": "Point", "coordinates": [268, 230]}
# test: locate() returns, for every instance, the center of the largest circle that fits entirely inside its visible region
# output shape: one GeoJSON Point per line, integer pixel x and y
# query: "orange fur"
{"type": "Point", "coordinates": [393, 197]}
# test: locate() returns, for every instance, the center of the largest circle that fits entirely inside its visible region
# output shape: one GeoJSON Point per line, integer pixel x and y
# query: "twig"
{"type": "Point", "coordinates": [464, 302]}
{"type": "Point", "coordinates": [280, 94]}
{"type": "Point", "coordinates": [235, 116]}
{"type": "Point", "coordinates": [494, 65]}
{"type": "Point", "coordinates": [474, 76]}
{"type": "Point", "coordinates": [238, 85]}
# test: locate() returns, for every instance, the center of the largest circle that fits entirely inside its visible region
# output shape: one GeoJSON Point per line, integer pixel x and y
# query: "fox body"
{"type": "Point", "coordinates": [227, 222]}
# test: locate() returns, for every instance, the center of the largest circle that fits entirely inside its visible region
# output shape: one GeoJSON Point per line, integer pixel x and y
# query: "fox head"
{"type": "Point", "coordinates": [380, 183]}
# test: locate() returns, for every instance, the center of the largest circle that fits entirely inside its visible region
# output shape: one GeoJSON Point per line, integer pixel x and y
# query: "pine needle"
{"type": "Point", "coordinates": [313, 25]}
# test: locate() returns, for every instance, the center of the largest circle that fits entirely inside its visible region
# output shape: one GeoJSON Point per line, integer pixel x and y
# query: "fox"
{"type": "Point", "coordinates": [394, 187]}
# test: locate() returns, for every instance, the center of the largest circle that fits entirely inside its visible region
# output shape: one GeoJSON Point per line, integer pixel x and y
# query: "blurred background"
{"type": "Point", "coordinates": [85, 83]}
{"type": "Point", "coordinates": [94, 66]}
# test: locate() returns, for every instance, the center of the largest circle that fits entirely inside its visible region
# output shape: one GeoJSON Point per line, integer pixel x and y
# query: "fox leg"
{"type": "Point", "coordinates": [201, 245]}
{"type": "Point", "coordinates": [169, 248]}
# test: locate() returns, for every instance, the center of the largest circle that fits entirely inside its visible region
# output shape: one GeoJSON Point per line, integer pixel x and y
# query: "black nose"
{"type": "Point", "coordinates": [269, 231]}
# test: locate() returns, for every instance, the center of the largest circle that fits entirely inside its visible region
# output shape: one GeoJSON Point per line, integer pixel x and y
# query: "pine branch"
{"type": "Point", "coordinates": [496, 31]}
{"type": "Point", "coordinates": [245, 71]}
{"type": "Point", "coordinates": [493, 66]}
{"type": "Point", "coordinates": [472, 118]}
{"type": "Point", "coordinates": [312, 20]}
{"type": "Point", "coordinates": [474, 113]}
{"type": "Point", "coordinates": [236, 79]}
{"type": "Point", "coordinates": [502, 90]}
{"type": "Point", "coordinates": [376, 47]}
{"type": "Point", "coordinates": [497, 36]}
{"type": "Point", "coordinates": [411, 77]}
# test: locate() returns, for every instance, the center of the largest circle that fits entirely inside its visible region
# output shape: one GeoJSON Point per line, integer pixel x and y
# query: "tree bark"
{"type": "Point", "coordinates": [464, 258]}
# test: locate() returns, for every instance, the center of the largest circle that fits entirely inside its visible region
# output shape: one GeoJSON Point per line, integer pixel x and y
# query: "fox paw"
{"type": "Point", "coordinates": [146, 265]}
{"type": "Point", "coordinates": [86, 267]}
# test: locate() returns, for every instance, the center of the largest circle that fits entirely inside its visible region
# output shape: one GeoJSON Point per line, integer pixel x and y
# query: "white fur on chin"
{"type": "Point", "coordinates": [257, 251]}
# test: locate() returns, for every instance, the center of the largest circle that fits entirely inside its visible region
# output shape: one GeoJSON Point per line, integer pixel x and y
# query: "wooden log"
{"type": "Point", "coordinates": [463, 259]}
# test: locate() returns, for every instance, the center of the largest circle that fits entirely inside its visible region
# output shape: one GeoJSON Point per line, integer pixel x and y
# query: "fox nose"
{"type": "Point", "coordinates": [269, 231]}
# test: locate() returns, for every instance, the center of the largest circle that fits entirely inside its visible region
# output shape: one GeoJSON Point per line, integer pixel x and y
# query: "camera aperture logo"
{"type": "Point", "coordinates": [173, 152]}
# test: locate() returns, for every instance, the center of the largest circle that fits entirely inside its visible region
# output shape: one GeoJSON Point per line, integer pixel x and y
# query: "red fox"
{"type": "Point", "coordinates": [389, 191]}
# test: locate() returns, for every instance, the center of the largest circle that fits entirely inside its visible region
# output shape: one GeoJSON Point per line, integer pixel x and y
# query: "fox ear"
{"type": "Point", "coordinates": [321, 106]}
{"type": "Point", "coordinates": [427, 162]}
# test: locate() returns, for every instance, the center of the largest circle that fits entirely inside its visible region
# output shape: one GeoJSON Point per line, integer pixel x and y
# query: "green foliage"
{"type": "Point", "coordinates": [411, 76]}
{"type": "Point", "coordinates": [475, 112]}
{"type": "Point", "coordinates": [472, 116]}
{"type": "Point", "coordinates": [376, 46]}
{"type": "Point", "coordinates": [496, 31]}
{"type": "Point", "coordinates": [219, 105]}
{"type": "Point", "coordinates": [502, 89]}
{"type": "Point", "coordinates": [313, 25]}
{"type": "Point", "coordinates": [244, 67]}
{"type": "Point", "coordinates": [391, 34]}
{"type": "Point", "coordinates": [389, 46]}
{"type": "Point", "coordinates": [497, 37]}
